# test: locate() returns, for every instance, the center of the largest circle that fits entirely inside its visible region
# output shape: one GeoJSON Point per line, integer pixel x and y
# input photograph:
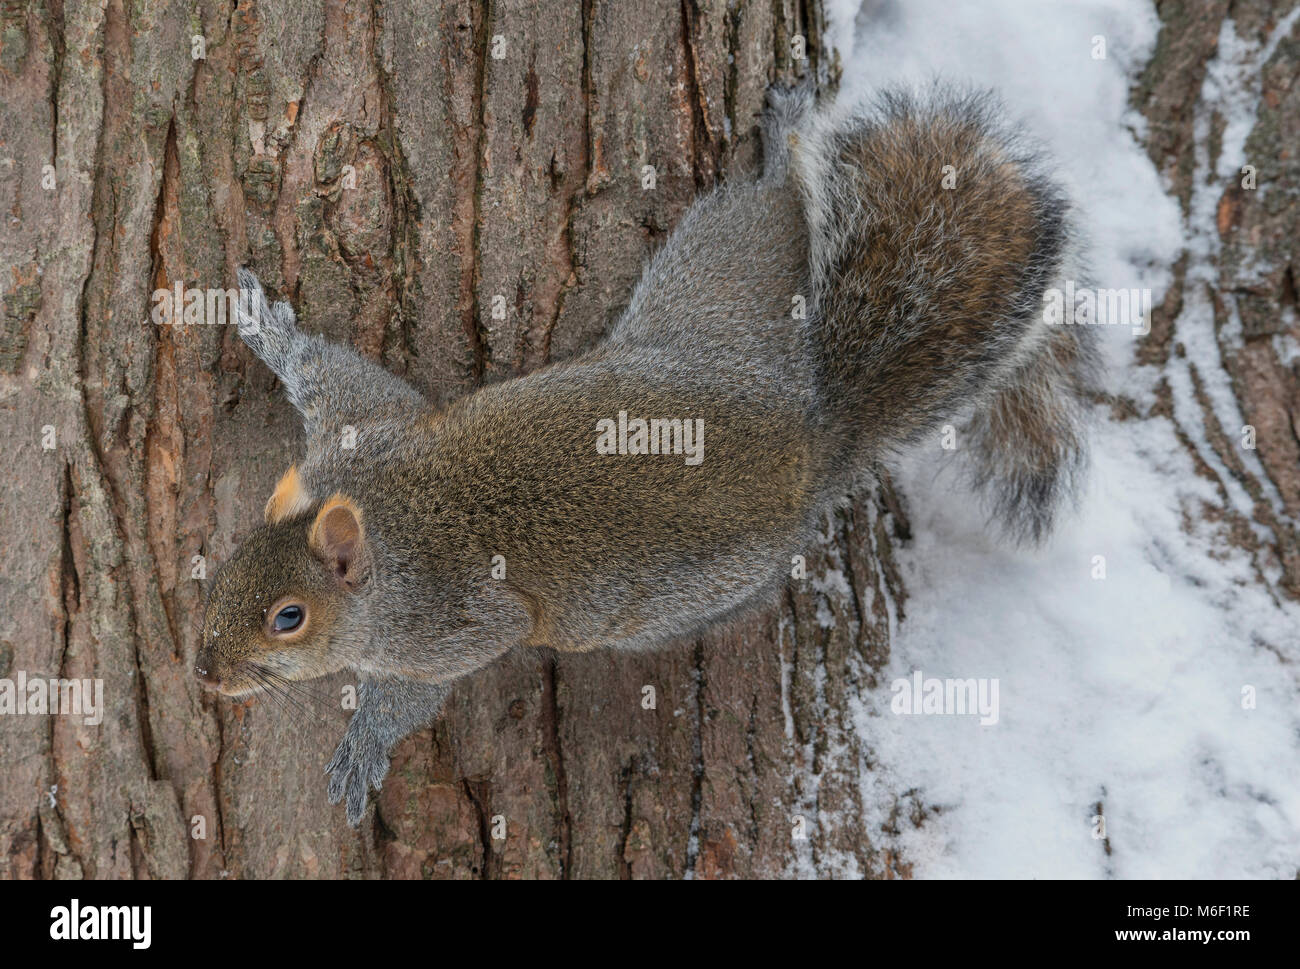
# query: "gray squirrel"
{"type": "Point", "coordinates": [661, 483]}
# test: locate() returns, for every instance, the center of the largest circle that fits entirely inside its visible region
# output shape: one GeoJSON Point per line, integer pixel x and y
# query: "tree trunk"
{"type": "Point", "coordinates": [399, 171]}
{"type": "Point", "coordinates": [1240, 417]}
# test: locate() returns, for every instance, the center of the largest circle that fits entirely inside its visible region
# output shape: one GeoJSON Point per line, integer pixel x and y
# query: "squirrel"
{"type": "Point", "coordinates": [661, 483]}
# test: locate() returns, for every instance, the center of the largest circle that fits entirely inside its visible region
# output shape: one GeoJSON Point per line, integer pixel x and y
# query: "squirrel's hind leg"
{"type": "Point", "coordinates": [788, 108]}
{"type": "Point", "coordinates": [330, 385]}
{"type": "Point", "coordinates": [1029, 441]}
{"type": "Point", "coordinates": [269, 329]}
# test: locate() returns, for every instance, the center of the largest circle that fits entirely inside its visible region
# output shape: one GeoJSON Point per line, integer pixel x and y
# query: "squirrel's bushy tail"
{"type": "Point", "coordinates": [934, 233]}
{"type": "Point", "coordinates": [1028, 443]}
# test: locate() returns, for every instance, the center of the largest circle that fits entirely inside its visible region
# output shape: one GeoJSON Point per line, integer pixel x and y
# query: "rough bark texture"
{"type": "Point", "coordinates": [380, 167]}
{"type": "Point", "coordinates": [1238, 273]}
{"type": "Point", "coordinates": [470, 177]}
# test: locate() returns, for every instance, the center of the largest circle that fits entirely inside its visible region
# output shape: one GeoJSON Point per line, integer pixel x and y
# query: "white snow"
{"type": "Point", "coordinates": [1124, 691]}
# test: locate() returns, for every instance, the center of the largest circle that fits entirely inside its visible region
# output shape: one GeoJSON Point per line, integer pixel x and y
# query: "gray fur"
{"type": "Point", "coordinates": [388, 709]}
{"type": "Point", "coordinates": [331, 386]}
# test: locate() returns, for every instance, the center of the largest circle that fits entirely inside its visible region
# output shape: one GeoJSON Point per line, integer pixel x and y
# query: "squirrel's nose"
{"type": "Point", "coordinates": [207, 677]}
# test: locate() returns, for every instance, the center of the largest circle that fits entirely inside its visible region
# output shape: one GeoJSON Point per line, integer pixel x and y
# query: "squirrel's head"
{"type": "Point", "coordinates": [280, 609]}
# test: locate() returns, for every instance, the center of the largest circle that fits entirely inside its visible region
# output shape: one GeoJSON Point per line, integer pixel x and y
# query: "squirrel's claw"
{"type": "Point", "coordinates": [791, 101]}
{"type": "Point", "coordinates": [358, 765]}
{"type": "Point", "coordinates": [252, 309]}
{"type": "Point", "coordinates": [268, 329]}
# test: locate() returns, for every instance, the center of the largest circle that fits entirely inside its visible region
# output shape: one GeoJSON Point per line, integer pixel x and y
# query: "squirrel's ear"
{"type": "Point", "coordinates": [338, 540]}
{"type": "Point", "coordinates": [289, 498]}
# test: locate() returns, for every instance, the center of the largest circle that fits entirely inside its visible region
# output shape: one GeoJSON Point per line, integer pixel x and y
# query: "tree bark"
{"type": "Point", "coordinates": [384, 169]}
{"type": "Point", "coordinates": [1244, 282]}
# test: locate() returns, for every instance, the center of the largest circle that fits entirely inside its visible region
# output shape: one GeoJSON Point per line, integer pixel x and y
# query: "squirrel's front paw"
{"type": "Point", "coordinates": [360, 763]}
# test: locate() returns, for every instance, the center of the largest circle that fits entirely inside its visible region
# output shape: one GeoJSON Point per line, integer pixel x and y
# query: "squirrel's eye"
{"type": "Point", "coordinates": [288, 619]}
